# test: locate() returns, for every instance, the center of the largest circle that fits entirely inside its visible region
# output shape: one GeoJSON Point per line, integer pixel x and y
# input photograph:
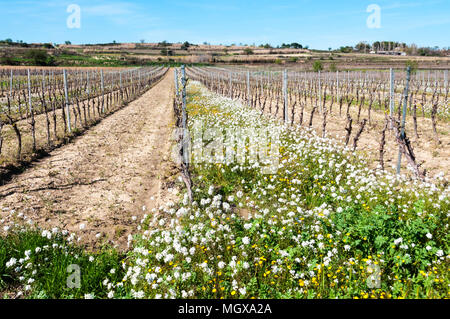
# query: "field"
{"type": "Point", "coordinates": [213, 159]}
{"type": "Point", "coordinates": [264, 201]}
{"type": "Point", "coordinates": [353, 107]}
{"type": "Point", "coordinates": [42, 108]}
{"type": "Point", "coordinates": [251, 56]}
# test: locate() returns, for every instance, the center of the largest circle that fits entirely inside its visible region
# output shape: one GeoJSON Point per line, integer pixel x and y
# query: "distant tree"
{"type": "Point", "coordinates": [68, 43]}
{"type": "Point", "coordinates": [362, 47]}
{"type": "Point", "coordinates": [185, 46]}
{"type": "Point", "coordinates": [317, 66]}
{"type": "Point", "coordinates": [39, 57]}
{"type": "Point", "coordinates": [296, 45]}
{"type": "Point", "coordinates": [346, 49]}
{"type": "Point", "coordinates": [413, 48]}
{"type": "Point", "coordinates": [376, 46]}
{"type": "Point", "coordinates": [9, 41]}
{"type": "Point", "coordinates": [423, 51]}
{"type": "Point", "coordinates": [23, 44]}
{"type": "Point", "coordinates": [267, 46]}
{"type": "Point", "coordinates": [248, 51]}
{"type": "Point", "coordinates": [329, 49]}
{"type": "Point", "coordinates": [435, 51]}
{"type": "Point", "coordinates": [166, 52]}
{"type": "Point", "coordinates": [8, 60]}
{"type": "Point", "coordinates": [142, 41]}
{"type": "Point", "coordinates": [48, 46]}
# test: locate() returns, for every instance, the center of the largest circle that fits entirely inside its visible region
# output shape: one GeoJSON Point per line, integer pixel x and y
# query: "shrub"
{"type": "Point", "coordinates": [7, 60]}
{"type": "Point", "coordinates": [40, 57]}
{"type": "Point", "coordinates": [248, 51]}
{"type": "Point", "coordinates": [185, 46]}
{"type": "Point", "coordinates": [166, 52]}
{"type": "Point", "coordinates": [414, 66]}
{"type": "Point", "coordinates": [317, 66]}
{"type": "Point", "coordinates": [333, 67]}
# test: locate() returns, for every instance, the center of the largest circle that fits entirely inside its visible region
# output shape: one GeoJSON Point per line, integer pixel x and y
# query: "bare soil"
{"type": "Point", "coordinates": [119, 169]}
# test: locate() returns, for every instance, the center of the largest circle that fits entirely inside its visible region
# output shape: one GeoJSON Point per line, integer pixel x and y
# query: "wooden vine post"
{"type": "Point", "coordinates": [10, 83]}
{"type": "Point", "coordinates": [184, 115]}
{"type": "Point", "coordinates": [30, 105]}
{"type": "Point", "coordinates": [66, 96]}
{"type": "Point", "coordinates": [391, 93]}
{"type": "Point", "coordinates": [320, 94]}
{"type": "Point", "coordinates": [248, 87]}
{"type": "Point", "coordinates": [176, 83]}
{"type": "Point", "coordinates": [337, 86]}
{"type": "Point", "coordinates": [285, 95]}
{"type": "Point", "coordinates": [231, 85]}
{"type": "Point", "coordinates": [445, 80]}
{"type": "Point", "coordinates": [103, 91]}
{"type": "Point", "coordinates": [405, 104]}
{"type": "Point", "coordinates": [185, 138]}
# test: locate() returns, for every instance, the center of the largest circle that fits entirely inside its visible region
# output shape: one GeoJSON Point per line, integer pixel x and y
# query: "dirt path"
{"type": "Point", "coordinates": [105, 177]}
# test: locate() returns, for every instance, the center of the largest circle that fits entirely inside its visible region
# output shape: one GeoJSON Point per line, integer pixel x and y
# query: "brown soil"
{"type": "Point", "coordinates": [106, 176]}
{"type": "Point", "coordinates": [8, 156]}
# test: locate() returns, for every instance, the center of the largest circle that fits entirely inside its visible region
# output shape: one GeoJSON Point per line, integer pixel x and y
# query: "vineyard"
{"type": "Point", "coordinates": [40, 108]}
{"type": "Point", "coordinates": [273, 185]}
{"type": "Point", "coordinates": [352, 106]}
{"type": "Point", "coordinates": [220, 159]}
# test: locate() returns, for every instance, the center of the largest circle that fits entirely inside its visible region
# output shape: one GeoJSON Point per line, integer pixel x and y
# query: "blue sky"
{"type": "Point", "coordinates": [319, 24]}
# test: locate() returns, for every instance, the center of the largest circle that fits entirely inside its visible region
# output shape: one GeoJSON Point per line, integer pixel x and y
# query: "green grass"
{"type": "Point", "coordinates": [72, 60]}
{"type": "Point", "coordinates": [48, 268]}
